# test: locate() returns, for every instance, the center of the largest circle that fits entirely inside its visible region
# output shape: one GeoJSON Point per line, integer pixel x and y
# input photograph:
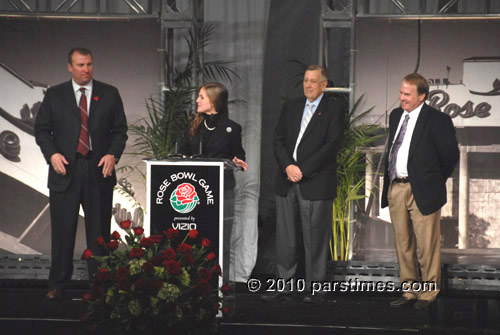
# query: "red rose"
{"type": "Point", "coordinates": [86, 296]}
{"type": "Point", "coordinates": [203, 286]}
{"type": "Point", "coordinates": [115, 235]}
{"type": "Point", "coordinates": [192, 234]}
{"type": "Point", "coordinates": [155, 286]}
{"type": "Point", "coordinates": [156, 260]}
{"type": "Point", "coordinates": [100, 241]}
{"type": "Point", "coordinates": [122, 273]}
{"type": "Point", "coordinates": [205, 273]}
{"type": "Point", "coordinates": [125, 224]}
{"type": "Point", "coordinates": [211, 256]}
{"type": "Point", "coordinates": [97, 291]}
{"type": "Point", "coordinates": [87, 254]}
{"type": "Point", "coordinates": [217, 270]}
{"type": "Point", "coordinates": [205, 242]}
{"type": "Point", "coordinates": [146, 242]}
{"type": "Point", "coordinates": [136, 253]}
{"type": "Point", "coordinates": [124, 285]}
{"type": "Point", "coordinates": [102, 275]}
{"type": "Point", "coordinates": [147, 267]}
{"type": "Point", "coordinates": [188, 259]}
{"type": "Point", "coordinates": [185, 248]}
{"type": "Point", "coordinates": [173, 267]}
{"type": "Point", "coordinates": [226, 310]}
{"type": "Point", "coordinates": [138, 230]}
{"type": "Point", "coordinates": [185, 193]}
{"type": "Point", "coordinates": [225, 289]}
{"type": "Point", "coordinates": [156, 238]}
{"type": "Point", "coordinates": [168, 254]}
{"type": "Point", "coordinates": [171, 233]}
{"type": "Point", "coordinates": [140, 284]}
{"type": "Point", "coordinates": [113, 245]}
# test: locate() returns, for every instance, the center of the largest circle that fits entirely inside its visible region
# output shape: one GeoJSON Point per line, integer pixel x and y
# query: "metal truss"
{"type": "Point", "coordinates": [428, 9]}
{"type": "Point", "coordinates": [342, 14]}
{"type": "Point", "coordinates": [69, 9]}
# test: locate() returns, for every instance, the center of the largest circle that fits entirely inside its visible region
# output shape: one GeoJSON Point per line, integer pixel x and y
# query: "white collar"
{"type": "Point", "coordinates": [315, 102]}
{"type": "Point", "coordinates": [414, 113]}
{"type": "Point", "coordinates": [77, 87]}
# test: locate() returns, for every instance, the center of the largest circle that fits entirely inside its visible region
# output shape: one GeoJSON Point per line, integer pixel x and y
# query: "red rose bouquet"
{"type": "Point", "coordinates": [154, 283]}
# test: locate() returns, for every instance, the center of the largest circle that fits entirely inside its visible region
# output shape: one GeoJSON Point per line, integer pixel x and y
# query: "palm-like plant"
{"type": "Point", "coordinates": [351, 166]}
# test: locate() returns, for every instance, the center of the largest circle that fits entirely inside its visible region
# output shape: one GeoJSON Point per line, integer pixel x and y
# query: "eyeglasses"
{"type": "Point", "coordinates": [313, 82]}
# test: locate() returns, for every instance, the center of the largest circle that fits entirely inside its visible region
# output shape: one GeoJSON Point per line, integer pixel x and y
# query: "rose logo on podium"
{"type": "Point", "coordinates": [184, 198]}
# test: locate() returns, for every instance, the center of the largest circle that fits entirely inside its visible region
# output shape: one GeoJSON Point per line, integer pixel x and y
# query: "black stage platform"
{"type": "Point", "coordinates": [469, 302]}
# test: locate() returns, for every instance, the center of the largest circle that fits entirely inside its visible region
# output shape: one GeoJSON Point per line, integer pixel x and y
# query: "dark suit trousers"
{"type": "Point", "coordinates": [302, 224]}
{"type": "Point", "coordinates": [96, 201]}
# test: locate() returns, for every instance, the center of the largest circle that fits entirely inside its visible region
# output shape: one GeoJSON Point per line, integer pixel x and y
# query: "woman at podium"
{"type": "Point", "coordinates": [212, 134]}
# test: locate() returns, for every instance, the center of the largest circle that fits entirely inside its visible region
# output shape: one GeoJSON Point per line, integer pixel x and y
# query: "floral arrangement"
{"type": "Point", "coordinates": [157, 283]}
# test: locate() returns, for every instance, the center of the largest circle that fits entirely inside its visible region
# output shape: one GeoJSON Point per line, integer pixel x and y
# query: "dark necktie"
{"type": "Point", "coordinates": [83, 142]}
{"type": "Point", "coordinates": [395, 148]}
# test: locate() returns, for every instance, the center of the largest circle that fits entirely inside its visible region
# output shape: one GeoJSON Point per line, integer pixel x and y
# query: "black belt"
{"type": "Point", "coordinates": [401, 180]}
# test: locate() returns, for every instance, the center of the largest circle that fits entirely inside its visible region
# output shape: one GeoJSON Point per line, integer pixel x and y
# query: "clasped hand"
{"type": "Point", "coordinates": [294, 174]}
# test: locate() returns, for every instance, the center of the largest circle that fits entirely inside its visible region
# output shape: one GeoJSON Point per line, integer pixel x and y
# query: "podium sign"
{"type": "Point", "coordinates": [186, 195]}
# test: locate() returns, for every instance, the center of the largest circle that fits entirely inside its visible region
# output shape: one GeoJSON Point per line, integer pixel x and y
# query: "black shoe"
{"type": "Point", "coordinates": [423, 305]}
{"type": "Point", "coordinates": [316, 298]}
{"type": "Point", "coordinates": [275, 296]}
{"type": "Point", "coordinates": [401, 302]}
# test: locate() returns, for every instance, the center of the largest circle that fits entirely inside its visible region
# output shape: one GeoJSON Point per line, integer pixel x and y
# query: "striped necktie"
{"type": "Point", "coordinates": [395, 148]}
{"type": "Point", "coordinates": [83, 142]}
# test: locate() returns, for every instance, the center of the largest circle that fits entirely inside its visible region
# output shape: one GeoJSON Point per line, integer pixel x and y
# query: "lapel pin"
{"type": "Point", "coordinates": [96, 98]}
{"type": "Point", "coordinates": [229, 129]}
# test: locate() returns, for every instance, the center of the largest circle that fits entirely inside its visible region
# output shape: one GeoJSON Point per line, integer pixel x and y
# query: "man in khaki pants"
{"type": "Point", "coordinates": [422, 153]}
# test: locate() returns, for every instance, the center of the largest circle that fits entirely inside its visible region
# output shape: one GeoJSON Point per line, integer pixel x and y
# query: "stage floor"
{"type": "Point", "coordinates": [448, 256]}
{"type": "Point", "coordinates": [26, 311]}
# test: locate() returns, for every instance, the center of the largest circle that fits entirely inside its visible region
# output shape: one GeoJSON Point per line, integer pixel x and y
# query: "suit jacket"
{"type": "Point", "coordinates": [224, 143]}
{"type": "Point", "coordinates": [432, 157]}
{"type": "Point", "coordinates": [57, 129]}
{"type": "Point", "coordinates": [317, 151]}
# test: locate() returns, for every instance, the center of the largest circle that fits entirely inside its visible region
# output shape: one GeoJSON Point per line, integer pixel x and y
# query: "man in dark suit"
{"type": "Point", "coordinates": [422, 153]}
{"type": "Point", "coordinates": [81, 129]}
{"type": "Point", "coordinates": [306, 140]}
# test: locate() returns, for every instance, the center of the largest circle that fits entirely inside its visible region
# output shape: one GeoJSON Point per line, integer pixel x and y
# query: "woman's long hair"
{"type": "Point", "coordinates": [218, 97]}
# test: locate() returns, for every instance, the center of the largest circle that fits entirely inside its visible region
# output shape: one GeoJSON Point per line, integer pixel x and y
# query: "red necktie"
{"type": "Point", "coordinates": [83, 142]}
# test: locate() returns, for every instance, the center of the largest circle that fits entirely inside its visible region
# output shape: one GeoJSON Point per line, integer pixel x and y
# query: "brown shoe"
{"type": "Point", "coordinates": [403, 301]}
{"type": "Point", "coordinates": [54, 294]}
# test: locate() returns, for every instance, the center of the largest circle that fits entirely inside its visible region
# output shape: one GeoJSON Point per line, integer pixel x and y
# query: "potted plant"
{"type": "Point", "coordinates": [149, 284]}
{"type": "Point", "coordinates": [351, 164]}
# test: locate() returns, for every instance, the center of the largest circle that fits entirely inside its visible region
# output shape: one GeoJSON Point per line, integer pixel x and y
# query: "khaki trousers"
{"type": "Point", "coordinates": [418, 241]}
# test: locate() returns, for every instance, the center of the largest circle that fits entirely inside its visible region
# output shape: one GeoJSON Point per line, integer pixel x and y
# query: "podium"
{"type": "Point", "coordinates": [185, 194]}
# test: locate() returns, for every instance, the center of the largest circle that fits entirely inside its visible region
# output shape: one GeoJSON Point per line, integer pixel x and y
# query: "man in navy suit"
{"type": "Point", "coordinates": [306, 140]}
{"type": "Point", "coordinates": [422, 153]}
{"type": "Point", "coordinates": [82, 130]}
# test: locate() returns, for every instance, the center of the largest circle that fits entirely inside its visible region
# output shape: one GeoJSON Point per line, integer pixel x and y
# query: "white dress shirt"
{"type": "Point", "coordinates": [314, 104]}
{"type": "Point", "coordinates": [404, 149]}
{"type": "Point", "coordinates": [78, 94]}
